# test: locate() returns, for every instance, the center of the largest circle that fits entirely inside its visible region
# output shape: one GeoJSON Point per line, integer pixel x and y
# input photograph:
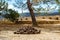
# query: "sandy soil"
{"type": "Point", "coordinates": [7, 33]}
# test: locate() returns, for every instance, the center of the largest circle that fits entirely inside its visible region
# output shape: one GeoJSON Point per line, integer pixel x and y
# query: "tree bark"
{"type": "Point", "coordinates": [31, 13]}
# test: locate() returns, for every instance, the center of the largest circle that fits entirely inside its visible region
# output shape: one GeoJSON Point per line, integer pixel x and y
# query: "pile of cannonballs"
{"type": "Point", "coordinates": [27, 30]}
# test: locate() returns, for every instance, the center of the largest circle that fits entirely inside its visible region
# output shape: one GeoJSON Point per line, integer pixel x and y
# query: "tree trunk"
{"type": "Point", "coordinates": [31, 13]}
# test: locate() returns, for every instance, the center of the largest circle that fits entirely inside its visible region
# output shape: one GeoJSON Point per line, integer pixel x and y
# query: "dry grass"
{"type": "Point", "coordinates": [40, 22]}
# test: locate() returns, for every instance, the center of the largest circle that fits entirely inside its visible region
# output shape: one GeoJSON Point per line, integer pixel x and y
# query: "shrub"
{"type": "Point", "coordinates": [26, 18]}
{"type": "Point", "coordinates": [57, 18]}
{"type": "Point", "coordinates": [43, 17]}
{"type": "Point", "coordinates": [50, 17]}
{"type": "Point", "coordinates": [12, 15]}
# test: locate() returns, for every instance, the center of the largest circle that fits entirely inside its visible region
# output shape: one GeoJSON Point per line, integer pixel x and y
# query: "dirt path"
{"type": "Point", "coordinates": [8, 35]}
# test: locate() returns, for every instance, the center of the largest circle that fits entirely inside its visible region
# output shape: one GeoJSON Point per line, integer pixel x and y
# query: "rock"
{"type": "Point", "coordinates": [27, 30]}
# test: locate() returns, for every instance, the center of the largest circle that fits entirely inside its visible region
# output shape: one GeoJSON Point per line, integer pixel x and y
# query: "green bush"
{"type": "Point", "coordinates": [12, 15]}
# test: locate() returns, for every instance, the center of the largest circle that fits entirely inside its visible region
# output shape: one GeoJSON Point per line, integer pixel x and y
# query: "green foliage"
{"type": "Point", "coordinates": [3, 5]}
{"type": "Point", "coordinates": [59, 10]}
{"type": "Point", "coordinates": [12, 15]}
{"type": "Point", "coordinates": [57, 1]}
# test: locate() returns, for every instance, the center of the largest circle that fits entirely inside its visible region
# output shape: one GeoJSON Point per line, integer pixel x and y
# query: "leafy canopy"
{"type": "Point", "coordinates": [3, 5]}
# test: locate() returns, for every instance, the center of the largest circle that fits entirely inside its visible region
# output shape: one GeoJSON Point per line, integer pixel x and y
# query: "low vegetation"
{"type": "Point", "coordinates": [12, 15]}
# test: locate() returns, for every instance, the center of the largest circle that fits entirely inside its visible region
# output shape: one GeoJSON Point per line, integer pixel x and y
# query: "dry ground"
{"type": "Point", "coordinates": [48, 32]}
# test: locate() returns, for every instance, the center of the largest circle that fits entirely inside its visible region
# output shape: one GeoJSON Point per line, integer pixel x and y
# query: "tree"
{"type": "Point", "coordinates": [0, 13]}
{"type": "Point", "coordinates": [8, 13]}
{"type": "Point", "coordinates": [31, 13]}
{"type": "Point", "coordinates": [19, 4]}
{"type": "Point", "coordinates": [3, 5]}
{"type": "Point", "coordinates": [58, 3]}
{"type": "Point", "coordinates": [29, 6]}
{"type": "Point", "coordinates": [12, 15]}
